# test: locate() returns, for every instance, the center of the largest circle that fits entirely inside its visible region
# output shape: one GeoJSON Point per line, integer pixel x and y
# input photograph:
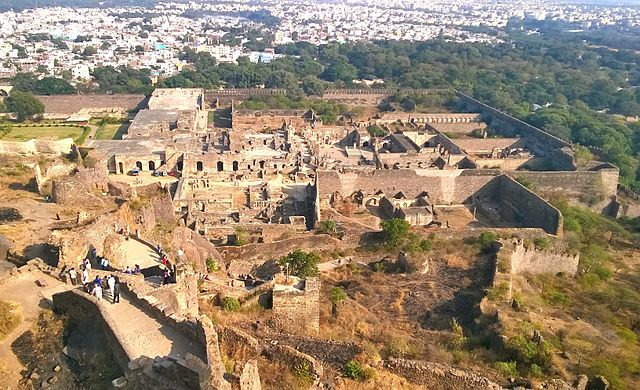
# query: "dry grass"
{"type": "Point", "coordinates": [9, 318]}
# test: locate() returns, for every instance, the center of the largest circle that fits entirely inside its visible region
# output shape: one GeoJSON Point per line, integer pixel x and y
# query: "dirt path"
{"type": "Point", "coordinates": [24, 291]}
{"type": "Point", "coordinates": [147, 336]}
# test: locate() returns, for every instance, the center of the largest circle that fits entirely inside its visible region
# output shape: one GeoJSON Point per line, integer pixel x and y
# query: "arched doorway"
{"type": "Point", "coordinates": [261, 164]}
{"type": "Point", "coordinates": [180, 165]}
{"type": "Point", "coordinates": [139, 165]}
{"type": "Point", "coordinates": [220, 166]}
{"type": "Point", "coordinates": [120, 168]}
{"type": "Point", "coordinates": [152, 166]}
{"type": "Point", "coordinates": [235, 165]}
{"type": "Point", "coordinates": [199, 166]}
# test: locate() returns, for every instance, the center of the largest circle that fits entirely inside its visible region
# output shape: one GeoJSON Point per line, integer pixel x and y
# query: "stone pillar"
{"type": "Point", "coordinates": [250, 378]}
{"type": "Point", "coordinates": [186, 290]}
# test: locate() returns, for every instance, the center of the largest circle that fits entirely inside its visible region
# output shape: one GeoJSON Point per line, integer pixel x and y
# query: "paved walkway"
{"type": "Point", "coordinates": [146, 336]}
{"type": "Point", "coordinates": [141, 254]}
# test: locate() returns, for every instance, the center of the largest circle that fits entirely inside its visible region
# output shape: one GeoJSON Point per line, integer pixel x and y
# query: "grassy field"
{"type": "Point", "coordinates": [48, 133]}
{"type": "Point", "coordinates": [111, 131]}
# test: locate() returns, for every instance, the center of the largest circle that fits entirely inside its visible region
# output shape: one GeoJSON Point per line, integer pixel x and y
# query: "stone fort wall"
{"type": "Point", "coordinates": [538, 140]}
{"type": "Point", "coordinates": [537, 261]}
{"type": "Point", "coordinates": [37, 146]}
{"type": "Point", "coordinates": [457, 186]}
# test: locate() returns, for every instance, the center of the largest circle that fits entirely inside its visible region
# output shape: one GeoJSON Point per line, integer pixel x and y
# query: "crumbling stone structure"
{"type": "Point", "coordinates": [297, 307]}
{"type": "Point", "coordinates": [537, 261]}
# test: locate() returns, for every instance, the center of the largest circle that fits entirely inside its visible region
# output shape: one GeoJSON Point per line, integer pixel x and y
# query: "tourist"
{"type": "Point", "coordinates": [111, 282]}
{"type": "Point", "coordinates": [73, 275]}
{"type": "Point", "coordinates": [166, 276]}
{"type": "Point", "coordinates": [105, 263]}
{"type": "Point", "coordinates": [85, 277]}
{"type": "Point", "coordinates": [128, 270]}
{"type": "Point", "coordinates": [97, 291]}
{"type": "Point", "coordinates": [87, 263]}
{"type": "Point", "coordinates": [97, 281]}
{"type": "Point", "coordinates": [158, 249]}
{"type": "Point", "coordinates": [116, 291]}
{"type": "Point", "coordinates": [136, 269]}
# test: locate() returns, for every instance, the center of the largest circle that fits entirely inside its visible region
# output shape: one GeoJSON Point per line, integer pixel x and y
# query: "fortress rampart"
{"type": "Point", "coordinates": [37, 146]}
{"type": "Point", "coordinates": [538, 140]}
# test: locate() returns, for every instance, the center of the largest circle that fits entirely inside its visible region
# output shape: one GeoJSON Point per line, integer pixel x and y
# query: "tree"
{"type": "Point", "coordinates": [24, 105]}
{"type": "Point", "coordinates": [487, 241]}
{"type": "Point", "coordinates": [53, 86]}
{"type": "Point", "coordinates": [394, 231]}
{"type": "Point", "coordinates": [336, 296]}
{"type": "Point", "coordinates": [301, 264]}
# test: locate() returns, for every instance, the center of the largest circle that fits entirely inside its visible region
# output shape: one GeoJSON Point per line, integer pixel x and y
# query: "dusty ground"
{"type": "Point", "coordinates": [23, 291]}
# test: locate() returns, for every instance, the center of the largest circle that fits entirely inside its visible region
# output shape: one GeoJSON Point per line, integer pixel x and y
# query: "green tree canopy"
{"type": "Point", "coordinates": [24, 105]}
{"type": "Point", "coordinates": [301, 264]}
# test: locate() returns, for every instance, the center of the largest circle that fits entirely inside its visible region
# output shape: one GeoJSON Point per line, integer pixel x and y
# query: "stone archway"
{"type": "Point", "coordinates": [139, 165]}
{"type": "Point", "coordinates": [152, 166]}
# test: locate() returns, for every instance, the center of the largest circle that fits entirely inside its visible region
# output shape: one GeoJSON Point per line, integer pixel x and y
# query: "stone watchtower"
{"type": "Point", "coordinates": [296, 305]}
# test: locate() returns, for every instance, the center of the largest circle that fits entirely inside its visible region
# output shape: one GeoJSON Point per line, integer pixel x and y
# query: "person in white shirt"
{"type": "Point", "coordinates": [73, 275]}
{"type": "Point", "coordinates": [111, 282]}
{"type": "Point", "coordinates": [97, 291]}
{"type": "Point", "coordinates": [85, 276]}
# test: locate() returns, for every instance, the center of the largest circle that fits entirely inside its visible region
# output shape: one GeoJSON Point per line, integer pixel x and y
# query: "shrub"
{"type": "Point", "coordinates": [542, 243]}
{"type": "Point", "coordinates": [242, 237]}
{"type": "Point", "coordinates": [302, 372]}
{"type": "Point", "coordinates": [498, 292]}
{"type": "Point", "coordinates": [556, 297]}
{"type": "Point", "coordinates": [487, 241]}
{"type": "Point", "coordinates": [400, 348]}
{"type": "Point", "coordinates": [352, 370]}
{"type": "Point", "coordinates": [502, 265]}
{"type": "Point", "coordinates": [457, 341]}
{"type": "Point", "coordinates": [425, 245]}
{"type": "Point", "coordinates": [506, 369]}
{"type": "Point", "coordinates": [230, 304]}
{"type": "Point", "coordinates": [529, 352]}
{"type": "Point", "coordinates": [328, 226]}
{"type": "Point", "coordinates": [536, 371]}
{"type": "Point", "coordinates": [525, 182]}
{"type": "Point", "coordinates": [212, 265]}
{"type": "Point", "coordinates": [609, 370]}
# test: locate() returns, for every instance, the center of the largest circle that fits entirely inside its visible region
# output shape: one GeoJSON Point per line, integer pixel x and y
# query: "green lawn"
{"type": "Point", "coordinates": [48, 133]}
{"type": "Point", "coordinates": [112, 131]}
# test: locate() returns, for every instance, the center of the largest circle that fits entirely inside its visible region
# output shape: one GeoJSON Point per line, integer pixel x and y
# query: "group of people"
{"type": "Point", "coordinates": [109, 283]}
{"type": "Point", "coordinates": [167, 276]}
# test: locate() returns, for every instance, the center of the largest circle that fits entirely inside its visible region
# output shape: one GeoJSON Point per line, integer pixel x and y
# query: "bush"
{"type": "Point", "coordinates": [609, 370]}
{"type": "Point", "coordinates": [230, 304]}
{"type": "Point", "coordinates": [542, 243]}
{"type": "Point", "coordinates": [425, 245]}
{"type": "Point", "coordinates": [458, 340]}
{"type": "Point", "coordinates": [528, 352]}
{"type": "Point", "coordinates": [506, 369]}
{"type": "Point", "coordinates": [499, 292]}
{"type": "Point", "coordinates": [354, 370]}
{"type": "Point", "coordinates": [212, 265]}
{"type": "Point", "coordinates": [242, 237]}
{"type": "Point", "coordinates": [400, 348]}
{"type": "Point", "coordinates": [536, 371]}
{"type": "Point", "coordinates": [328, 226]}
{"type": "Point", "coordinates": [487, 241]}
